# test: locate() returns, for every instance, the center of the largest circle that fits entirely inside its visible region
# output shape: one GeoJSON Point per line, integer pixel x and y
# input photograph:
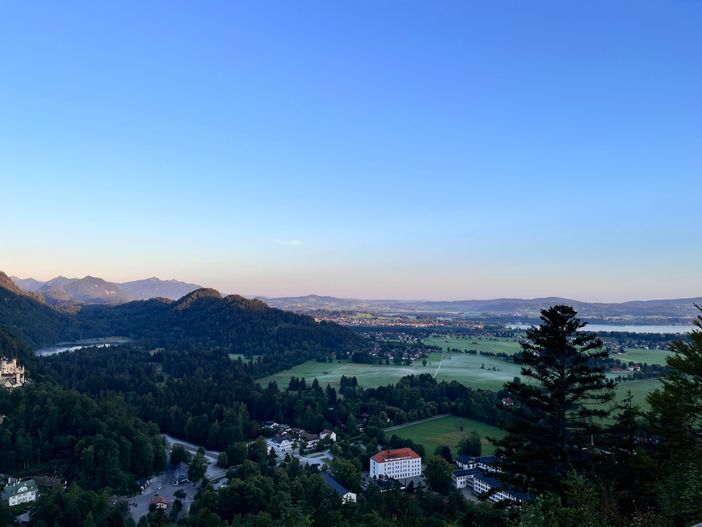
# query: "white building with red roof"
{"type": "Point", "coordinates": [400, 463]}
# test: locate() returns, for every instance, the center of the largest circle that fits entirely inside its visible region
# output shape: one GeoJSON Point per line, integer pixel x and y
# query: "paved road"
{"type": "Point", "coordinates": [213, 471]}
{"type": "Point", "coordinates": [163, 483]}
{"type": "Point", "coordinates": [403, 425]}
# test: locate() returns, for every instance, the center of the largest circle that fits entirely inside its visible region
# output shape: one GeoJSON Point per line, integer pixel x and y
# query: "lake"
{"type": "Point", "coordinates": [632, 328]}
{"type": "Point", "coordinates": [63, 347]}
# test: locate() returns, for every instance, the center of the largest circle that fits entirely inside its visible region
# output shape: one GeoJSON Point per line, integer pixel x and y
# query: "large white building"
{"type": "Point", "coordinates": [397, 464]}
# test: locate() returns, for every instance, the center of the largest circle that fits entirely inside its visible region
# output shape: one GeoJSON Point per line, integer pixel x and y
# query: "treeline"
{"type": "Point", "coordinates": [49, 430]}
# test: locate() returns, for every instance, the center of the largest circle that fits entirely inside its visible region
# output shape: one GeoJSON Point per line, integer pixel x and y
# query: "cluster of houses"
{"type": "Point", "coordinates": [287, 438]}
{"type": "Point", "coordinates": [477, 474]}
{"type": "Point", "coordinates": [11, 374]}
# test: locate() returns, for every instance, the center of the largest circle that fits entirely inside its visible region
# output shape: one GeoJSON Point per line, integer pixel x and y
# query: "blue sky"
{"type": "Point", "coordinates": [375, 149]}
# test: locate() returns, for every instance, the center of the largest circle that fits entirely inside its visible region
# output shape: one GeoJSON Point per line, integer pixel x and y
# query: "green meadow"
{"type": "Point", "coordinates": [489, 344]}
{"type": "Point", "coordinates": [476, 371]}
{"type": "Point", "coordinates": [511, 346]}
{"type": "Point", "coordinates": [447, 431]}
{"type": "Point", "coordinates": [471, 370]}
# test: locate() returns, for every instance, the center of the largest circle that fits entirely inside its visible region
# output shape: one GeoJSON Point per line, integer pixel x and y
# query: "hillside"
{"type": "Point", "coordinates": [201, 320]}
{"type": "Point", "coordinates": [31, 320]}
{"type": "Point", "coordinates": [646, 310]}
{"type": "Point", "coordinates": [204, 319]}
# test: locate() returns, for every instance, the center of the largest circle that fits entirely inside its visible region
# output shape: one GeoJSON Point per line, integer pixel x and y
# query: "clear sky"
{"type": "Point", "coordinates": [370, 148]}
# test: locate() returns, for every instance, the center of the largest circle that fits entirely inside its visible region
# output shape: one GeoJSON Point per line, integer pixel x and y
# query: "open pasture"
{"type": "Point", "coordinates": [475, 371]}
{"type": "Point", "coordinates": [447, 431]}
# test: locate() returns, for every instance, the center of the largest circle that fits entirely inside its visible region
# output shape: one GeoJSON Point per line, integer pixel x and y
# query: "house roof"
{"type": "Point", "coordinates": [160, 499]}
{"type": "Point", "coordinates": [398, 454]}
{"type": "Point", "coordinates": [465, 472]}
{"type": "Point", "coordinates": [488, 460]}
{"type": "Point", "coordinates": [493, 482]}
{"type": "Point", "coordinates": [19, 488]}
{"type": "Point", "coordinates": [497, 484]}
{"type": "Point", "coordinates": [279, 439]}
{"type": "Point", "coordinates": [334, 485]}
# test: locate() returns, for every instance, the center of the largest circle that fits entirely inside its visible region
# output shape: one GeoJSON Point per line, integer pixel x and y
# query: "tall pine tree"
{"type": "Point", "coordinates": [676, 417]}
{"type": "Point", "coordinates": [552, 423]}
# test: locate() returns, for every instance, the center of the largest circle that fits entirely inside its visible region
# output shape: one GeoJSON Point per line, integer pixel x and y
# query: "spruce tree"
{"type": "Point", "coordinates": [676, 409]}
{"type": "Point", "coordinates": [676, 417]}
{"type": "Point", "coordinates": [552, 423]}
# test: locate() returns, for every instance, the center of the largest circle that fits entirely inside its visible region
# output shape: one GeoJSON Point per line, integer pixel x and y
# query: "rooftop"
{"type": "Point", "coordinates": [466, 472]}
{"type": "Point", "coordinates": [398, 454]}
{"type": "Point", "coordinates": [19, 488]}
{"type": "Point", "coordinates": [333, 484]}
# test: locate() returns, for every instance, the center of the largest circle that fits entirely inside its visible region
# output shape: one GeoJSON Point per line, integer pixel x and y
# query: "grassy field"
{"type": "Point", "coordinates": [490, 344]}
{"type": "Point", "coordinates": [511, 346]}
{"type": "Point", "coordinates": [447, 431]}
{"type": "Point", "coordinates": [471, 370]}
{"type": "Point", "coordinates": [639, 389]}
{"type": "Point", "coordinates": [475, 371]}
{"type": "Point", "coordinates": [643, 355]}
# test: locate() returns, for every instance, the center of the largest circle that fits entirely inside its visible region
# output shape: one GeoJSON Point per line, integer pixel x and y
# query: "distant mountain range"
{"type": "Point", "coordinates": [69, 294]}
{"type": "Point", "coordinates": [651, 311]}
{"type": "Point", "coordinates": [62, 291]}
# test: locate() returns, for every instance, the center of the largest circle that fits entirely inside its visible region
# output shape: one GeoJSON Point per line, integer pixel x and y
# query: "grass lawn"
{"type": "Point", "coordinates": [475, 371]}
{"type": "Point", "coordinates": [643, 355]}
{"type": "Point", "coordinates": [471, 370]}
{"type": "Point", "coordinates": [491, 344]}
{"type": "Point", "coordinates": [639, 389]}
{"type": "Point", "coordinates": [447, 431]}
{"type": "Point", "coordinates": [511, 346]}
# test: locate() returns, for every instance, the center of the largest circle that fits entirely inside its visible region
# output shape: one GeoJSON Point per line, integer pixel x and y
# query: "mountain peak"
{"type": "Point", "coordinates": [194, 296]}
{"type": "Point", "coordinates": [7, 283]}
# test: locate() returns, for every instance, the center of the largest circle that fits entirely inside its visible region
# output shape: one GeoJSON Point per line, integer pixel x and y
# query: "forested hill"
{"type": "Point", "coordinates": [201, 320]}
{"type": "Point", "coordinates": [33, 321]}
{"type": "Point", "coordinates": [205, 320]}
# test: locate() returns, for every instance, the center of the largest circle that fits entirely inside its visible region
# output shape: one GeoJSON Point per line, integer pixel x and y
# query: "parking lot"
{"type": "Point", "coordinates": [162, 485]}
